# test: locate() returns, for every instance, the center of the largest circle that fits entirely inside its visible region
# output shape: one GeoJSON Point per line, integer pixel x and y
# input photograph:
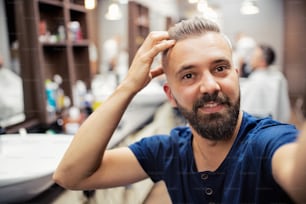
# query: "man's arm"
{"type": "Point", "coordinates": [289, 168]}
{"type": "Point", "coordinates": [87, 164]}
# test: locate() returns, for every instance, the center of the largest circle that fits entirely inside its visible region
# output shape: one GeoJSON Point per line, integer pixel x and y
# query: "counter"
{"type": "Point", "coordinates": [28, 161]}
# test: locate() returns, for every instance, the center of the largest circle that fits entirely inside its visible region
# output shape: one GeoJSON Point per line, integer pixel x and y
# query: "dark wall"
{"type": "Point", "coordinates": [295, 47]}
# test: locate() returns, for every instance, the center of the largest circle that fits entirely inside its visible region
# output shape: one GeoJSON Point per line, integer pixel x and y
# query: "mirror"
{"type": "Point", "coordinates": [11, 100]}
{"type": "Point", "coordinates": [231, 22]}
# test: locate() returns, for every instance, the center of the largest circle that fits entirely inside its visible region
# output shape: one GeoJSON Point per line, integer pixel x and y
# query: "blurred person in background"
{"type": "Point", "coordinates": [265, 91]}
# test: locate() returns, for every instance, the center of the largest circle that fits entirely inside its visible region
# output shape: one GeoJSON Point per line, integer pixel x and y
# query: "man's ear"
{"type": "Point", "coordinates": [169, 95]}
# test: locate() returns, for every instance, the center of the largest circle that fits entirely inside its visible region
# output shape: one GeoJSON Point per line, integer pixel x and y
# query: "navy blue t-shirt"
{"type": "Point", "coordinates": [245, 176]}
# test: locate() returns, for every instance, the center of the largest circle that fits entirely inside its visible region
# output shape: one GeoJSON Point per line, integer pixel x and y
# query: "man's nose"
{"type": "Point", "coordinates": [209, 84]}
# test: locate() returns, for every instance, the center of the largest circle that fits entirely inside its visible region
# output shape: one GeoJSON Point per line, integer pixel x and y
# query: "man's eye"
{"type": "Point", "coordinates": [187, 76]}
{"type": "Point", "coordinates": [220, 68]}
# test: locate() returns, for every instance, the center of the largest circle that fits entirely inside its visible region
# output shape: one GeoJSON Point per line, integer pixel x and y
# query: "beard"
{"type": "Point", "coordinates": [214, 126]}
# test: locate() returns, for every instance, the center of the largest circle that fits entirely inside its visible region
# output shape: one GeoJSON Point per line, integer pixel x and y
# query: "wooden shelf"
{"type": "Point", "coordinates": [52, 2]}
{"type": "Point", "coordinates": [78, 2]}
{"type": "Point", "coordinates": [138, 26]}
{"type": "Point", "coordinates": [58, 44]}
{"type": "Point", "coordinates": [77, 7]}
{"type": "Point", "coordinates": [81, 43]}
{"type": "Point", "coordinates": [49, 47]}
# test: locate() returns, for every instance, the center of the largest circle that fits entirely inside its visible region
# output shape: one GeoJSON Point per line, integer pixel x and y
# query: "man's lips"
{"type": "Point", "coordinates": [211, 107]}
{"type": "Point", "coordinates": [211, 103]}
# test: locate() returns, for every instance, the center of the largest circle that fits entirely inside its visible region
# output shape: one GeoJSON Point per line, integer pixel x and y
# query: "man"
{"type": "Point", "coordinates": [224, 155]}
{"type": "Point", "coordinates": [265, 91]}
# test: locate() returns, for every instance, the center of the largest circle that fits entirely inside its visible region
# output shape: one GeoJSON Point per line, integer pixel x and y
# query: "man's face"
{"type": "Point", "coordinates": [203, 85]}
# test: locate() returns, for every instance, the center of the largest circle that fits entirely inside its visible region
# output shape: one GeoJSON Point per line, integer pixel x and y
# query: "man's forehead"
{"type": "Point", "coordinates": [200, 43]}
{"type": "Point", "coordinates": [208, 38]}
{"type": "Point", "coordinates": [192, 43]}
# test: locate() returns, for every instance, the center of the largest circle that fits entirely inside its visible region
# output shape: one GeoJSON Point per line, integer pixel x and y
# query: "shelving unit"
{"type": "Point", "coordinates": [48, 47]}
{"type": "Point", "coordinates": [139, 26]}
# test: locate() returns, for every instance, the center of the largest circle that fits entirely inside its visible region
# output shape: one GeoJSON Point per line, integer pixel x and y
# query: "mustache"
{"type": "Point", "coordinates": [214, 97]}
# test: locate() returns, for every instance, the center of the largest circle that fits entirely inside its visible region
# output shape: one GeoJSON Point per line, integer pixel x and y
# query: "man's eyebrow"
{"type": "Point", "coordinates": [222, 60]}
{"type": "Point", "coordinates": [184, 68]}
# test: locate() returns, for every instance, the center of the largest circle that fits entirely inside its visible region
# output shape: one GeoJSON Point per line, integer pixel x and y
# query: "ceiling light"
{"type": "Point", "coordinates": [113, 12]}
{"type": "Point", "coordinates": [90, 4]}
{"type": "Point", "coordinates": [249, 7]}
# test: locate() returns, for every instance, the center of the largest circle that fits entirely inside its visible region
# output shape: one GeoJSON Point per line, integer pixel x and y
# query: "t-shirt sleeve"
{"type": "Point", "coordinates": [150, 153]}
{"type": "Point", "coordinates": [271, 138]}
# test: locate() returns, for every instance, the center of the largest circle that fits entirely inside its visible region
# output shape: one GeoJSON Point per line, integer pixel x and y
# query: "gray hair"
{"type": "Point", "coordinates": [193, 27]}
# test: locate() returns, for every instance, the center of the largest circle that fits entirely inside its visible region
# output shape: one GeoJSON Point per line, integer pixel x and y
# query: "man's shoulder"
{"type": "Point", "coordinates": [181, 131]}
{"type": "Point", "coordinates": [263, 122]}
{"type": "Point", "coordinates": [178, 134]}
{"type": "Point", "coordinates": [265, 127]}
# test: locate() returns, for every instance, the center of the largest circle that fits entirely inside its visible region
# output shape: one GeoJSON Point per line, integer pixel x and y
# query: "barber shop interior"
{"type": "Point", "coordinates": [61, 61]}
